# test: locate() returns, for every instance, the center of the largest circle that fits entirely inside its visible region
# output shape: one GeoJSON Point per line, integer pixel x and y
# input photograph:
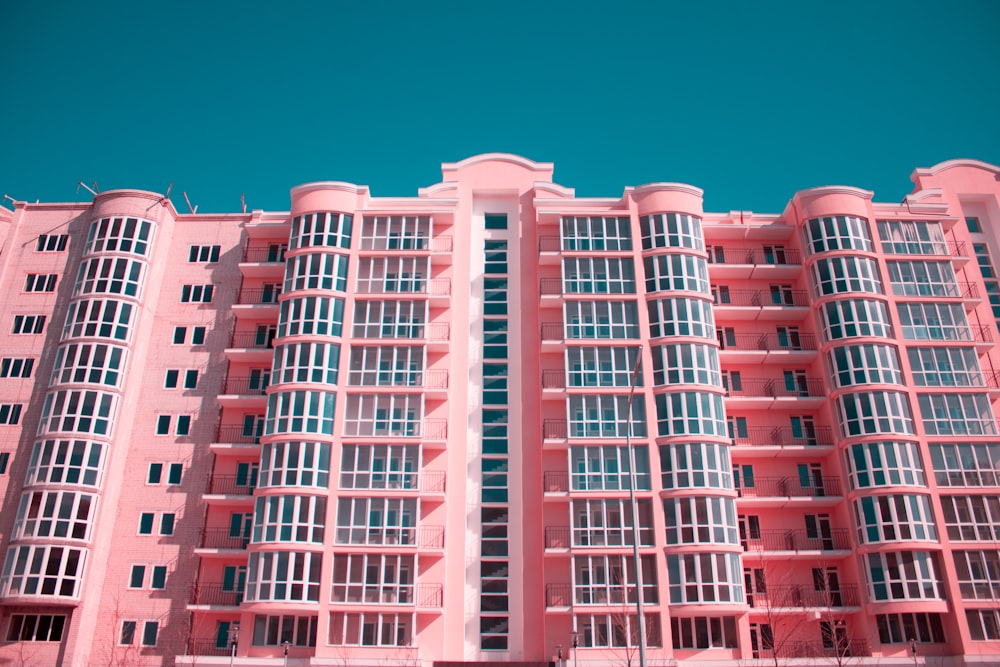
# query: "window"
{"type": "Point", "coordinates": [36, 628]}
{"type": "Point", "coordinates": [607, 468]}
{"type": "Point", "coordinates": [147, 520]}
{"type": "Point", "coordinates": [397, 415]}
{"type": "Point", "coordinates": [171, 379]}
{"type": "Point", "coordinates": [16, 367]}
{"type": "Point", "coordinates": [705, 578]}
{"type": "Point", "coordinates": [923, 279]}
{"type": "Point", "coordinates": [945, 367]}
{"type": "Point", "coordinates": [324, 271]}
{"type": "Point", "coordinates": [973, 225]}
{"type": "Point", "coordinates": [300, 412]}
{"type": "Point", "coordinates": [957, 414]}
{"type": "Point", "coordinates": [601, 319]}
{"type": "Point", "coordinates": [889, 518]}
{"type": "Point", "coordinates": [978, 574]}
{"type": "Point", "coordinates": [708, 632]}
{"type": "Point", "coordinates": [690, 413]}
{"type": "Point", "coordinates": [137, 577]}
{"type": "Point", "coordinates": [696, 466]}
{"type": "Point", "coordinates": [198, 335]}
{"type": "Point", "coordinates": [373, 578]}
{"type": "Point", "coordinates": [40, 569]}
{"type": "Point", "coordinates": [93, 363]}
{"type": "Point", "coordinates": [700, 520]}
{"type": "Point", "coordinates": [676, 272]}
{"type": "Point", "coordinates": [398, 365]}
{"type": "Point", "coordinates": [865, 364]}
{"type": "Point", "coordinates": [109, 275]}
{"type": "Point", "coordinates": [51, 242]}
{"type": "Point", "coordinates": [872, 464]}
{"type": "Point", "coordinates": [149, 632]}
{"type": "Point", "coordinates": [907, 627]}
{"type": "Point", "coordinates": [155, 474]}
{"type": "Point", "coordinates": [289, 519]}
{"type": "Point", "coordinates": [686, 363]}
{"type": "Point", "coordinates": [495, 221]}
{"type": "Point", "coordinates": [80, 411]}
{"type": "Point", "coordinates": [598, 275]}
{"type": "Point", "coordinates": [371, 629]}
{"type": "Point", "coordinates": [119, 235]}
{"type": "Point", "coordinates": [984, 624]}
{"type": "Point", "coordinates": [10, 413]}
{"type": "Point", "coordinates": [840, 275]}
{"type": "Point", "coordinates": [934, 321]}
{"type": "Point", "coordinates": [329, 229]}
{"type": "Point", "coordinates": [180, 334]}
{"type": "Point", "coordinates": [304, 464]}
{"type": "Point", "coordinates": [596, 233]}
{"type": "Point", "coordinates": [197, 293]}
{"type": "Point", "coordinates": [605, 416]}
{"type": "Point", "coordinates": [183, 424]}
{"type": "Point", "coordinates": [379, 466]}
{"type": "Point", "coordinates": [839, 232]}
{"type": "Point", "coordinates": [40, 282]}
{"type": "Point", "coordinates": [376, 521]}
{"type": "Point", "coordinates": [681, 317]}
{"type": "Point", "coordinates": [204, 253]}
{"type": "Point", "coordinates": [966, 464]}
{"type": "Point", "coordinates": [855, 318]}
{"type": "Point", "coordinates": [127, 636]}
{"type": "Point", "coordinates": [291, 576]}
{"type": "Point", "coordinates": [28, 324]}
{"type": "Point", "coordinates": [904, 575]}
{"type": "Point", "coordinates": [972, 518]}
{"type": "Point", "coordinates": [610, 580]}
{"type": "Point", "coordinates": [77, 462]}
{"type": "Point", "coordinates": [389, 275]}
{"type": "Point", "coordinates": [61, 514]}
{"type": "Point", "coordinates": [105, 318]}
{"type": "Point", "coordinates": [163, 425]}
{"type": "Point", "coordinates": [396, 233]}
{"type": "Point", "coordinates": [608, 522]}
{"type": "Point", "coordinates": [616, 630]}
{"type": "Point", "coordinates": [912, 237]}
{"type": "Point", "coordinates": [191, 379]}
{"type": "Point", "coordinates": [874, 412]}
{"type": "Point", "coordinates": [671, 230]}
{"type": "Point", "coordinates": [319, 316]}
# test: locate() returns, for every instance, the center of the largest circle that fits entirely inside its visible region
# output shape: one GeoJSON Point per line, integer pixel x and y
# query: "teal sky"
{"type": "Point", "coordinates": [750, 101]}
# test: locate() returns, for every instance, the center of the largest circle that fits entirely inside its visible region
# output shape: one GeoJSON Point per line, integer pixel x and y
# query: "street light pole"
{"type": "Point", "coordinates": [633, 477]}
{"type": "Point", "coordinates": [576, 642]}
{"type": "Point", "coordinates": [234, 639]}
{"type": "Point", "coordinates": [913, 650]}
{"type": "Point", "coordinates": [285, 644]}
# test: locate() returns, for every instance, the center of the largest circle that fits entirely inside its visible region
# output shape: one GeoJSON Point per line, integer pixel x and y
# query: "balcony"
{"type": "Point", "coordinates": [561, 596]}
{"type": "Point", "coordinates": [752, 346]}
{"type": "Point", "coordinates": [966, 291]}
{"type": "Point", "coordinates": [419, 595]}
{"type": "Point", "coordinates": [779, 491]}
{"type": "Point", "coordinates": [610, 537]}
{"type": "Point", "coordinates": [413, 379]}
{"type": "Point", "coordinates": [252, 346]}
{"type": "Point", "coordinates": [402, 287]}
{"type": "Point", "coordinates": [206, 648]}
{"type": "Point", "coordinates": [760, 392]}
{"type": "Point", "coordinates": [216, 595]}
{"type": "Point", "coordinates": [555, 481]}
{"type": "Point", "coordinates": [246, 386]}
{"type": "Point", "coordinates": [851, 648]}
{"type": "Point", "coordinates": [237, 434]}
{"type": "Point", "coordinates": [230, 485]}
{"type": "Point", "coordinates": [783, 304]}
{"type": "Point", "coordinates": [781, 441]}
{"type": "Point", "coordinates": [424, 537]}
{"type": "Point", "coordinates": [222, 538]}
{"type": "Point", "coordinates": [758, 262]}
{"type": "Point", "coordinates": [552, 334]}
{"type": "Point", "coordinates": [429, 429]}
{"type": "Point", "coordinates": [780, 542]}
{"type": "Point", "coordinates": [804, 597]}
{"type": "Point", "coordinates": [415, 243]}
{"type": "Point", "coordinates": [264, 261]}
{"type": "Point", "coordinates": [257, 296]}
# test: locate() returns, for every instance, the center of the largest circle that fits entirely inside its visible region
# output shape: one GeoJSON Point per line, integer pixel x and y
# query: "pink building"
{"type": "Point", "coordinates": [395, 431]}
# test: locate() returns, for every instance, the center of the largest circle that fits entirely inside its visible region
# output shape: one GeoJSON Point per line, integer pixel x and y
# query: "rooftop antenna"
{"type": "Point", "coordinates": [10, 199]}
{"type": "Point", "coordinates": [91, 190]}
{"type": "Point", "coordinates": [193, 209]}
{"type": "Point", "coordinates": [165, 198]}
{"type": "Point", "coordinates": [243, 201]}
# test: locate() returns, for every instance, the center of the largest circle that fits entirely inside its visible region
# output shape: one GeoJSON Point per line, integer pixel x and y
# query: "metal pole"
{"type": "Point", "coordinates": [641, 620]}
{"type": "Point", "coordinates": [234, 639]}
{"type": "Point", "coordinates": [285, 645]}
{"type": "Point", "coordinates": [913, 650]}
{"type": "Point", "coordinates": [576, 642]}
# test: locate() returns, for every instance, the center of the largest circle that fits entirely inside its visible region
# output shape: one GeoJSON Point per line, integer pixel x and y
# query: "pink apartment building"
{"type": "Point", "coordinates": [396, 431]}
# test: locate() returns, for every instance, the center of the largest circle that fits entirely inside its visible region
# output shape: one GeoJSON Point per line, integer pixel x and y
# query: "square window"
{"type": "Point", "coordinates": [198, 336]}
{"type": "Point", "coordinates": [163, 425]}
{"type": "Point", "coordinates": [149, 631]}
{"type": "Point", "coordinates": [127, 636]}
{"type": "Point", "coordinates": [155, 471]}
{"type": "Point", "coordinates": [159, 579]}
{"type": "Point", "coordinates": [183, 424]}
{"type": "Point", "coordinates": [180, 333]}
{"type": "Point", "coordinates": [137, 577]}
{"type": "Point", "coordinates": [191, 379]}
{"type": "Point", "coordinates": [171, 380]}
{"type": "Point", "coordinates": [167, 524]}
{"type": "Point", "coordinates": [146, 523]}
{"type": "Point", "coordinates": [174, 473]}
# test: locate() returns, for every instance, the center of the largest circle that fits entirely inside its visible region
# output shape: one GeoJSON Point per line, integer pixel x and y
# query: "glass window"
{"type": "Point", "coordinates": [923, 279]}
{"type": "Point", "coordinates": [934, 321]}
{"type": "Point", "coordinates": [295, 464]}
{"type": "Point", "coordinates": [978, 574]}
{"type": "Point", "coordinates": [972, 518]}
{"type": "Point", "coordinates": [36, 628]}
{"type": "Point", "coordinates": [676, 272]}
{"type": "Point", "coordinates": [607, 467]}
{"type": "Point", "coordinates": [379, 467]}
{"type": "Point", "coordinates": [681, 317]}
{"type": "Point", "coordinates": [105, 318]}
{"type": "Point", "coordinates": [90, 363]}
{"type": "Point", "coordinates": [840, 275]}
{"type": "Point", "coordinates": [131, 235]}
{"type": "Point", "coordinates": [904, 575]}
{"type": "Point", "coordinates": [60, 514]}
{"type": "Point", "coordinates": [855, 318]}
{"type": "Point", "coordinates": [966, 464]}
{"type": "Point", "coordinates": [284, 576]}
{"type": "Point", "coordinates": [398, 232]}
{"type": "Point", "coordinates": [306, 362]}
{"type": "Point", "coordinates": [311, 315]}
{"type": "Point", "coordinates": [874, 412]}
{"type": "Point", "coordinates": [300, 412]}
{"type": "Point", "coordinates": [371, 629]}
{"type": "Point", "coordinates": [605, 416]}
{"type": "Point", "coordinates": [888, 518]}
{"type": "Point", "coordinates": [671, 230]}
{"type": "Point", "coordinates": [601, 319]}
{"type": "Point", "coordinates": [364, 578]}
{"type": "Point", "coordinates": [957, 414]}
{"type": "Point", "coordinates": [691, 413]}
{"type": "Point", "coordinates": [696, 466]}
{"type": "Point", "coordinates": [865, 364]}
{"type": "Point", "coordinates": [596, 233]}
{"type": "Point", "coordinates": [390, 319]}
{"type": "Point", "coordinates": [390, 275]}
{"type": "Point", "coordinates": [912, 237]}
{"type": "Point", "coordinates": [873, 464]}
{"type": "Point", "coordinates": [109, 275]}
{"type": "Point", "coordinates": [608, 522]}
{"type": "Point", "coordinates": [289, 519]}
{"type": "Point", "coordinates": [39, 569]}
{"type": "Point", "coordinates": [376, 521]}
{"type": "Point", "coordinates": [322, 271]}
{"type": "Point", "coordinates": [77, 462]}
{"type": "Point", "coordinates": [705, 578]}
{"type": "Point", "coordinates": [79, 411]}
{"type": "Point", "coordinates": [945, 367]}
{"type": "Point", "coordinates": [908, 627]}
{"type": "Point", "coordinates": [204, 253]}
{"type": "Point", "coordinates": [700, 520]}
{"type": "Point", "coordinates": [387, 366]}
{"type": "Point", "coordinates": [841, 232]}
{"type": "Point", "coordinates": [321, 229]}
{"type": "Point", "coordinates": [598, 275]}
{"type": "Point", "coordinates": [384, 415]}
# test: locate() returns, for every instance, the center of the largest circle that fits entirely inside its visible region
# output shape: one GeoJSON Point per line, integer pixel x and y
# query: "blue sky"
{"type": "Point", "coordinates": [750, 101]}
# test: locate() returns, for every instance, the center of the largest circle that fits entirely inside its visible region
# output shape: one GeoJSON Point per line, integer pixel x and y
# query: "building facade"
{"type": "Point", "coordinates": [376, 431]}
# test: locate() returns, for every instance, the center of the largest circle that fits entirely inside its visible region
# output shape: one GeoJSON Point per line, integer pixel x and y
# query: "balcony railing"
{"type": "Point", "coordinates": [415, 243]}
{"type": "Point", "coordinates": [762, 298]}
{"type": "Point", "coordinates": [784, 436]}
{"type": "Point", "coordinates": [926, 248]}
{"type": "Point", "coordinates": [549, 244]}
{"type": "Point", "coordinates": [217, 594]}
{"type": "Point", "coordinates": [207, 647]}
{"type": "Point", "coordinates": [259, 295]}
{"type": "Point", "coordinates": [768, 342]}
{"type": "Point", "coordinates": [421, 595]}
{"type": "Point", "coordinates": [553, 379]}
{"type": "Point", "coordinates": [557, 537]}
{"type": "Point", "coordinates": [776, 597]}
{"type": "Point", "coordinates": [957, 290]}
{"type": "Point", "coordinates": [222, 538]}
{"type": "Point", "coordinates": [425, 537]}
{"type": "Point", "coordinates": [246, 386]}
{"type": "Point", "coordinates": [797, 540]}
{"type": "Point", "coordinates": [432, 429]}
{"type": "Point", "coordinates": [845, 648]}
{"type": "Point", "coordinates": [552, 331]}
{"type": "Point", "coordinates": [563, 595]}
{"type": "Point", "coordinates": [265, 254]}
{"type": "Point", "coordinates": [435, 331]}
{"type": "Point", "coordinates": [555, 481]}
{"type": "Point", "coordinates": [755, 256]}
{"type": "Point", "coordinates": [252, 340]}
{"type": "Point", "coordinates": [790, 487]}
{"type": "Point", "coordinates": [432, 379]}
{"type": "Point", "coordinates": [612, 537]}
{"type": "Point", "coordinates": [405, 286]}
{"type": "Point", "coordinates": [231, 485]}
{"type": "Point", "coordinates": [237, 434]}
{"type": "Point", "coordinates": [775, 388]}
